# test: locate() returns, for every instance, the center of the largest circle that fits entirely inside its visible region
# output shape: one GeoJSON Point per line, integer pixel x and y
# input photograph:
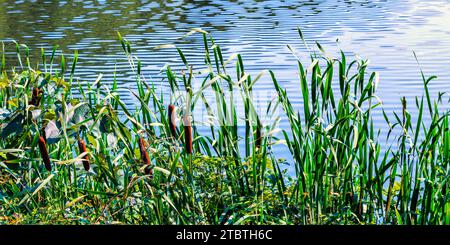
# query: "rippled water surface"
{"type": "Point", "coordinates": [386, 32]}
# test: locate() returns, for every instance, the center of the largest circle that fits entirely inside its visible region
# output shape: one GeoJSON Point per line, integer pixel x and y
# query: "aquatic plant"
{"type": "Point", "coordinates": [344, 173]}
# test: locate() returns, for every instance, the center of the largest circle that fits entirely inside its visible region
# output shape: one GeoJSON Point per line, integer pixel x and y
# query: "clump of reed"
{"type": "Point", "coordinates": [343, 172]}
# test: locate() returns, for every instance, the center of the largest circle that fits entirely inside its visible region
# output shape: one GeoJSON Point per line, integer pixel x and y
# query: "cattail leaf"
{"type": "Point", "coordinates": [41, 185]}
{"type": "Point", "coordinates": [183, 58]}
{"type": "Point", "coordinates": [71, 203]}
{"type": "Point", "coordinates": [300, 33]}
{"type": "Point", "coordinates": [399, 217]}
{"type": "Point", "coordinates": [122, 42]}
{"type": "Point", "coordinates": [128, 47]}
{"type": "Point", "coordinates": [81, 112]}
{"type": "Point", "coordinates": [105, 124]}
{"type": "Point", "coordinates": [74, 63]}
{"type": "Point", "coordinates": [162, 170]}
{"type": "Point", "coordinates": [41, 81]}
{"type": "Point", "coordinates": [50, 115]}
{"type": "Point", "coordinates": [320, 47]}
{"type": "Point", "coordinates": [156, 124]}
{"type": "Point", "coordinates": [69, 113]}
{"type": "Point", "coordinates": [14, 126]}
{"type": "Point", "coordinates": [355, 137]}
{"type": "Point", "coordinates": [93, 141]}
{"type": "Point", "coordinates": [63, 64]}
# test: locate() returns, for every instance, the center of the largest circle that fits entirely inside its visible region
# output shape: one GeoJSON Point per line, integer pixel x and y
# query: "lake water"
{"type": "Point", "coordinates": [386, 32]}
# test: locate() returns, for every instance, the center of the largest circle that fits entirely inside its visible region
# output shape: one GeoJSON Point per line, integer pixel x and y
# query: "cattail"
{"type": "Point", "coordinates": [82, 148]}
{"type": "Point", "coordinates": [44, 153]}
{"type": "Point", "coordinates": [187, 135]}
{"type": "Point", "coordinates": [258, 136]}
{"type": "Point", "coordinates": [145, 157]}
{"type": "Point", "coordinates": [35, 98]}
{"type": "Point", "coordinates": [172, 122]}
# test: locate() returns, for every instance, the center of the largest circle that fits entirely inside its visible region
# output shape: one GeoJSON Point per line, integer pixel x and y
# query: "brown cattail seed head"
{"type": "Point", "coordinates": [82, 148]}
{"type": "Point", "coordinates": [258, 136]}
{"type": "Point", "coordinates": [187, 135]}
{"type": "Point", "coordinates": [36, 97]}
{"type": "Point", "coordinates": [172, 121]}
{"type": "Point", "coordinates": [43, 134]}
{"type": "Point", "coordinates": [44, 153]}
{"type": "Point", "coordinates": [144, 156]}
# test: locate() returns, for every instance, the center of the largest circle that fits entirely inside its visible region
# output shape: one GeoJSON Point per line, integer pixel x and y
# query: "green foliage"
{"type": "Point", "coordinates": [344, 173]}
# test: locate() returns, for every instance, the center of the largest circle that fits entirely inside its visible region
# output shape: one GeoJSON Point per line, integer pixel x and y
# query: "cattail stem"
{"type": "Point", "coordinates": [172, 121]}
{"type": "Point", "coordinates": [145, 158]}
{"type": "Point", "coordinates": [187, 135]}
{"type": "Point", "coordinates": [44, 153]}
{"type": "Point", "coordinates": [82, 148]}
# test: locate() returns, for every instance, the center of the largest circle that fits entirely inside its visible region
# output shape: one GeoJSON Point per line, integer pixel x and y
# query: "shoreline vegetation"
{"type": "Point", "coordinates": [73, 154]}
